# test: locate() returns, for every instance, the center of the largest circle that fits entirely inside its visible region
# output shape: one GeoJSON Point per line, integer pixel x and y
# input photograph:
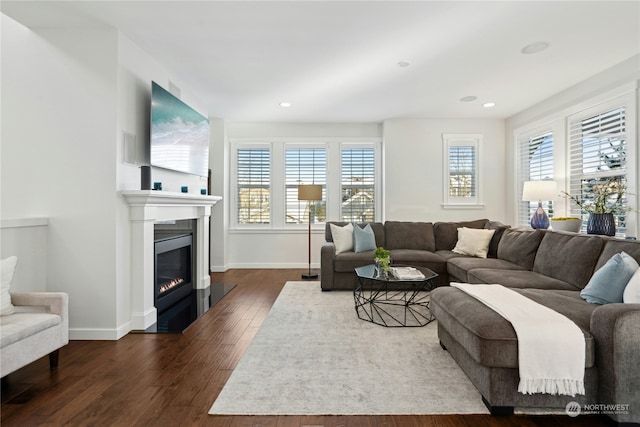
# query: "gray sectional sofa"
{"type": "Point", "coordinates": [548, 267]}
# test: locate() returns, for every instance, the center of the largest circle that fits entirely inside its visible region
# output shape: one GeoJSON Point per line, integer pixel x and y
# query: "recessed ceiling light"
{"type": "Point", "coordinates": [534, 48]}
{"type": "Point", "coordinates": [489, 104]}
{"type": "Point", "coordinates": [468, 98]}
{"type": "Point", "coordinates": [285, 104]}
{"type": "Point", "coordinates": [403, 64]}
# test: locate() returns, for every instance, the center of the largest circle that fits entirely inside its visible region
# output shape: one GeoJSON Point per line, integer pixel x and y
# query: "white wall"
{"type": "Point", "coordinates": [58, 157]}
{"type": "Point", "coordinates": [26, 239]}
{"type": "Point", "coordinates": [282, 248]}
{"type": "Point", "coordinates": [554, 110]}
{"type": "Point", "coordinates": [413, 169]}
{"type": "Point", "coordinates": [68, 95]}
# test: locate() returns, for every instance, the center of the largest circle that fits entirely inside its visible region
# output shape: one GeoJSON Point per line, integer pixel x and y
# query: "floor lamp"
{"type": "Point", "coordinates": [310, 193]}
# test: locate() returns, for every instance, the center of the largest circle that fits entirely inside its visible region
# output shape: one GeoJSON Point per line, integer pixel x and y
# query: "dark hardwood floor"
{"type": "Point", "coordinates": [173, 379]}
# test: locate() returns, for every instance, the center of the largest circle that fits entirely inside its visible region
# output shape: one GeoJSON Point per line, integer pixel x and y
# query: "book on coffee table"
{"type": "Point", "coordinates": [406, 273]}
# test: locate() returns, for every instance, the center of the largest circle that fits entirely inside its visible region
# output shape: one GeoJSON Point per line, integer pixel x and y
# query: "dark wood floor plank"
{"type": "Point", "coordinates": [173, 379]}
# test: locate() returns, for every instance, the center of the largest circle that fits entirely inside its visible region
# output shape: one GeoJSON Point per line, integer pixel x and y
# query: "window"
{"type": "Point", "coordinates": [357, 184]}
{"type": "Point", "coordinates": [266, 175]}
{"type": "Point", "coordinates": [305, 166]}
{"type": "Point", "coordinates": [461, 160]}
{"type": "Point", "coordinates": [598, 153]}
{"type": "Point", "coordinates": [253, 171]}
{"type": "Point", "coordinates": [535, 163]}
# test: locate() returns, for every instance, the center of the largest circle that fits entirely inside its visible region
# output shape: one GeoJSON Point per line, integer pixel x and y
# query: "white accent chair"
{"type": "Point", "coordinates": [38, 327]}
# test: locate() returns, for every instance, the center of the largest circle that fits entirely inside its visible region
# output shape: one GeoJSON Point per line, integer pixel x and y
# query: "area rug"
{"type": "Point", "coordinates": [313, 356]}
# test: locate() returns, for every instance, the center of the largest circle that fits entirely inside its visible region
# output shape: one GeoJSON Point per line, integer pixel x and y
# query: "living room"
{"type": "Point", "coordinates": [75, 88]}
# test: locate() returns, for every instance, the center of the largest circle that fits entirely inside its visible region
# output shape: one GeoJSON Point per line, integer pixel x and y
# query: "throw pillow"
{"type": "Point", "coordinates": [608, 283]}
{"type": "Point", "coordinates": [473, 241]}
{"type": "Point", "coordinates": [7, 269]}
{"type": "Point", "coordinates": [631, 294]}
{"type": "Point", "coordinates": [363, 238]}
{"type": "Point", "coordinates": [342, 237]}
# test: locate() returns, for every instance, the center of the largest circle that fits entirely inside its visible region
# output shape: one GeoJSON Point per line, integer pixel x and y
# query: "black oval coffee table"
{"type": "Point", "coordinates": [392, 301]}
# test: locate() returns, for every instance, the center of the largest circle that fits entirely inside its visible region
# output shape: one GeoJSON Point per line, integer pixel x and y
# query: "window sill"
{"type": "Point", "coordinates": [461, 206]}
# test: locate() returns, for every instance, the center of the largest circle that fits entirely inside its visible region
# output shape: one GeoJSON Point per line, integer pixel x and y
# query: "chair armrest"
{"type": "Point", "coordinates": [327, 255]}
{"type": "Point", "coordinates": [615, 329]}
{"type": "Point", "coordinates": [51, 302]}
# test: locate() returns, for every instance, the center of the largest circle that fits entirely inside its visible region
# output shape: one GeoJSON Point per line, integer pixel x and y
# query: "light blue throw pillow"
{"type": "Point", "coordinates": [363, 238]}
{"type": "Point", "coordinates": [608, 283]}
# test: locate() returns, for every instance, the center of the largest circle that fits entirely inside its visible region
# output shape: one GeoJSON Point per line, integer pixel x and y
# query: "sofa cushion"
{"type": "Point", "coordinates": [363, 238]}
{"type": "Point", "coordinates": [631, 294]}
{"type": "Point", "coordinates": [446, 233]}
{"type": "Point", "coordinates": [568, 257]}
{"type": "Point", "coordinates": [519, 246]}
{"type": "Point", "coordinates": [517, 279]}
{"type": "Point", "coordinates": [7, 270]}
{"type": "Point", "coordinates": [459, 267]}
{"type": "Point", "coordinates": [409, 235]}
{"type": "Point", "coordinates": [495, 240]}
{"type": "Point", "coordinates": [473, 242]}
{"type": "Point", "coordinates": [346, 262]}
{"type": "Point", "coordinates": [19, 326]}
{"type": "Point", "coordinates": [342, 237]}
{"type": "Point", "coordinates": [488, 337]}
{"type": "Point", "coordinates": [607, 284]}
{"type": "Point", "coordinates": [377, 227]}
{"type": "Point", "coordinates": [614, 246]}
{"type": "Point", "coordinates": [418, 258]}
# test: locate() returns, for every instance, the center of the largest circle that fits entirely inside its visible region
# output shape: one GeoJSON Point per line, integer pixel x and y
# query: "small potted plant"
{"type": "Point", "coordinates": [607, 200]}
{"type": "Point", "coordinates": [566, 223]}
{"type": "Point", "coordinates": [382, 258]}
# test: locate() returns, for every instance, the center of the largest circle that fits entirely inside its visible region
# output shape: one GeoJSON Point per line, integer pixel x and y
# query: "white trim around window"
{"type": "Point", "coordinates": [461, 182]}
{"type": "Point", "coordinates": [277, 190]}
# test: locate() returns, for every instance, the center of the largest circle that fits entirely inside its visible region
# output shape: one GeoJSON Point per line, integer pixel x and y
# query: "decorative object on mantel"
{"type": "Point", "coordinates": [145, 177]}
{"type": "Point", "coordinates": [538, 191]}
{"type": "Point", "coordinates": [310, 193]}
{"type": "Point", "coordinates": [382, 259]}
{"type": "Point", "coordinates": [203, 191]}
{"type": "Point", "coordinates": [157, 186]}
{"type": "Point", "coordinates": [184, 189]}
{"type": "Point", "coordinates": [606, 201]}
{"type": "Point", "coordinates": [570, 224]}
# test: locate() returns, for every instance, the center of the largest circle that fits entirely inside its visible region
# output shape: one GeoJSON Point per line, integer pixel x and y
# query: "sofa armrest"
{"type": "Point", "coordinates": [327, 255]}
{"type": "Point", "coordinates": [615, 329]}
{"type": "Point", "coordinates": [51, 302]}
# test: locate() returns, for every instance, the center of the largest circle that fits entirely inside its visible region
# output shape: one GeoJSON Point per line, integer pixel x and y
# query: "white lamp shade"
{"type": "Point", "coordinates": [310, 192]}
{"type": "Point", "coordinates": [539, 190]}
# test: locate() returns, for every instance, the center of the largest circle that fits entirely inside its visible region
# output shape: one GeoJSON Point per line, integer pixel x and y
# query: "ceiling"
{"type": "Point", "coordinates": [337, 61]}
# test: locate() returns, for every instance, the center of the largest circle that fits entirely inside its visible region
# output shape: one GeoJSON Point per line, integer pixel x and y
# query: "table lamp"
{"type": "Point", "coordinates": [538, 191]}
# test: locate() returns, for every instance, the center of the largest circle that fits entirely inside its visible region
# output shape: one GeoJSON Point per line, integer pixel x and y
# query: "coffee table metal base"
{"type": "Point", "coordinates": [393, 307]}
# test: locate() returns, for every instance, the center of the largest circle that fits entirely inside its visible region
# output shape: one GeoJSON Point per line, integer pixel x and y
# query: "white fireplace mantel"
{"type": "Point", "coordinates": [146, 208]}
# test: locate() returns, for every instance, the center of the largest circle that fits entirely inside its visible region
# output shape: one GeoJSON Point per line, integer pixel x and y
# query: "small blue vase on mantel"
{"type": "Point", "coordinates": [601, 223]}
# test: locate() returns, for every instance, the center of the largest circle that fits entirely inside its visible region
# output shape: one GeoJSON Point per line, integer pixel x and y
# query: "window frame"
{"type": "Point", "coordinates": [461, 140]}
{"type": "Point", "coordinates": [332, 190]}
{"type": "Point", "coordinates": [522, 137]}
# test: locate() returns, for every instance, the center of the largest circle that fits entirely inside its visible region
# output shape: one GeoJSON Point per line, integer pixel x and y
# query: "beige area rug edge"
{"type": "Point", "coordinates": [313, 356]}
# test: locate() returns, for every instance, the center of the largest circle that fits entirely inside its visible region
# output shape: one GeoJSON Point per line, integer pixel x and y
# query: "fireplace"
{"type": "Point", "coordinates": [173, 289]}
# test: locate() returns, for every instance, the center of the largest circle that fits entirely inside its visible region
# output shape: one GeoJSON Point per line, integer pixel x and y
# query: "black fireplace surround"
{"type": "Point", "coordinates": [173, 287]}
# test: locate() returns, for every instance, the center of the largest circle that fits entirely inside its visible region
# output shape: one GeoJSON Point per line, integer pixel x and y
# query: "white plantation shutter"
{"type": "Point", "coordinates": [461, 180]}
{"type": "Point", "coordinates": [462, 171]}
{"type": "Point", "coordinates": [304, 166]}
{"type": "Point", "coordinates": [597, 152]}
{"type": "Point", "coordinates": [535, 163]}
{"type": "Point", "coordinates": [357, 184]}
{"type": "Point", "coordinates": [253, 166]}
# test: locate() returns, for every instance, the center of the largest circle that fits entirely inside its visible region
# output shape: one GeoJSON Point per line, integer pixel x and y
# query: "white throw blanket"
{"type": "Point", "coordinates": [551, 348]}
